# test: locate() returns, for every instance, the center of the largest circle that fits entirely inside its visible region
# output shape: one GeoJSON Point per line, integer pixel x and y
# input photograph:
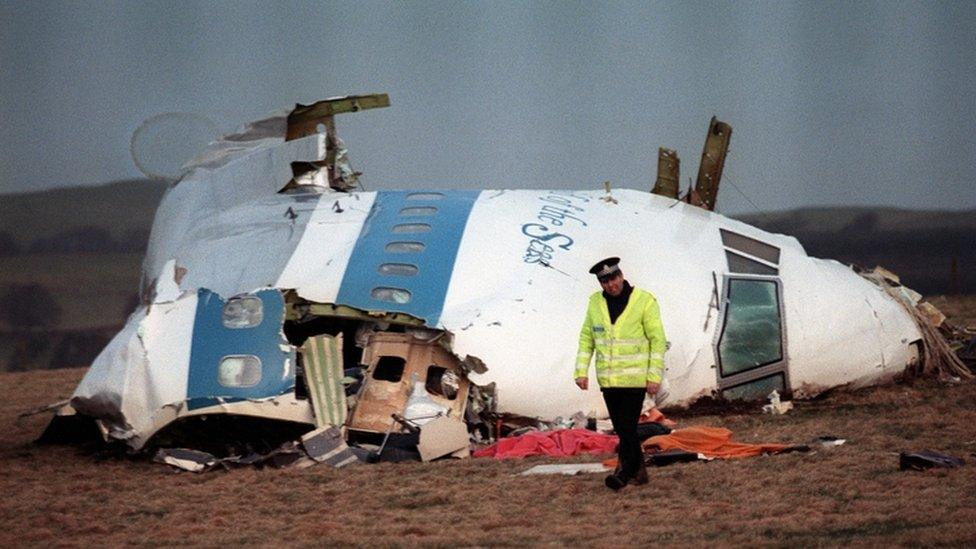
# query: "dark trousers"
{"type": "Point", "coordinates": [624, 405]}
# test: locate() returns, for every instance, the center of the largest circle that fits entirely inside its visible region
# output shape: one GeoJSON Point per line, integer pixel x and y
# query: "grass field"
{"type": "Point", "coordinates": [854, 494]}
{"type": "Point", "coordinates": [92, 290]}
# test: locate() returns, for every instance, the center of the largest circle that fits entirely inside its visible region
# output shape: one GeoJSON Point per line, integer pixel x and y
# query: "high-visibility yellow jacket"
{"type": "Point", "coordinates": [629, 352]}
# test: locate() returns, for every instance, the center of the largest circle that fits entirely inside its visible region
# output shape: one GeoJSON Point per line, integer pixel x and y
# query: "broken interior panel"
{"type": "Point", "coordinates": [399, 365]}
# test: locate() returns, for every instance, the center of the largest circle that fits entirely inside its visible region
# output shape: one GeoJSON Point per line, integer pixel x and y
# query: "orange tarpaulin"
{"type": "Point", "coordinates": [711, 442]}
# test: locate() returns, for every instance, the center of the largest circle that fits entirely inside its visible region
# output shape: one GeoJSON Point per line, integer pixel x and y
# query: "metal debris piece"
{"type": "Point", "coordinates": [186, 459]}
{"type": "Point", "coordinates": [937, 356]}
{"type": "Point", "coordinates": [668, 173]}
{"type": "Point", "coordinates": [827, 442]}
{"type": "Point", "coordinates": [776, 406]}
{"type": "Point", "coordinates": [56, 407]}
{"type": "Point", "coordinates": [441, 437]}
{"type": "Point", "coordinates": [565, 469]}
{"type": "Point", "coordinates": [712, 162]}
{"type": "Point", "coordinates": [608, 198]}
{"type": "Point", "coordinates": [927, 459]}
{"type": "Point", "coordinates": [322, 358]}
{"type": "Point", "coordinates": [305, 119]}
{"type": "Point", "coordinates": [326, 445]}
{"type": "Point", "coordinates": [933, 315]}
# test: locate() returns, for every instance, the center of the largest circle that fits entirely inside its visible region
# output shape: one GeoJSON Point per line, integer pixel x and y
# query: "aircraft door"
{"type": "Point", "coordinates": [750, 346]}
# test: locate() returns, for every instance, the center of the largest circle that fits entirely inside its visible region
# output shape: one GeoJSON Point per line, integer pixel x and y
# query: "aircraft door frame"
{"type": "Point", "coordinates": [774, 370]}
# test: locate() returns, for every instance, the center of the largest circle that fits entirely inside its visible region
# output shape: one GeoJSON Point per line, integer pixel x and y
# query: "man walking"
{"type": "Point", "coordinates": [623, 325]}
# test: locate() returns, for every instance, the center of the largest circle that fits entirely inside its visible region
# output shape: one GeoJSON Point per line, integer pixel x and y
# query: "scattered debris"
{"type": "Point", "coordinates": [326, 445]}
{"type": "Point", "coordinates": [322, 358]}
{"type": "Point", "coordinates": [608, 198]}
{"type": "Point", "coordinates": [927, 459]}
{"type": "Point", "coordinates": [826, 442]}
{"type": "Point", "coordinates": [650, 429]}
{"type": "Point", "coordinates": [55, 407]}
{"type": "Point", "coordinates": [934, 316]}
{"type": "Point", "coordinates": [668, 173]}
{"type": "Point", "coordinates": [565, 469]}
{"type": "Point", "coordinates": [674, 455]}
{"type": "Point", "coordinates": [186, 459]}
{"type": "Point", "coordinates": [712, 162]}
{"type": "Point", "coordinates": [442, 437]}
{"type": "Point", "coordinates": [777, 407]}
{"type": "Point", "coordinates": [937, 355]}
{"type": "Point", "coordinates": [397, 363]}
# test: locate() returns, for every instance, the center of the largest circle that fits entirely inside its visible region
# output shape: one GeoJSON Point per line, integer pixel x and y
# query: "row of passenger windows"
{"type": "Point", "coordinates": [392, 294]}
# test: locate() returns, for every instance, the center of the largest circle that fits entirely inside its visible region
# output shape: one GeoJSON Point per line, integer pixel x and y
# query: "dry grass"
{"type": "Point", "coordinates": [851, 495]}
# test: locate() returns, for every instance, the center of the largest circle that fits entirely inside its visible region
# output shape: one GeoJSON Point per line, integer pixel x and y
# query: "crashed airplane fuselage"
{"type": "Point", "coordinates": [247, 261]}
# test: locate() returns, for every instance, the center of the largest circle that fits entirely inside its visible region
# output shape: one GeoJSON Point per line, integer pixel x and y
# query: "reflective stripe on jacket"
{"type": "Point", "coordinates": [629, 352]}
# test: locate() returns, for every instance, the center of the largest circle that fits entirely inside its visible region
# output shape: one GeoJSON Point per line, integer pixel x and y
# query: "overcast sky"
{"type": "Point", "coordinates": [866, 103]}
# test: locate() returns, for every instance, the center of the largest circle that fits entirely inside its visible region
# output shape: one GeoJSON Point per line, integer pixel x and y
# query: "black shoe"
{"type": "Point", "coordinates": [614, 482]}
{"type": "Point", "coordinates": [640, 478]}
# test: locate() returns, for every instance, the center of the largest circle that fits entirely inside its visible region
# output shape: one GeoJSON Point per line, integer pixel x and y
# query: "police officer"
{"type": "Point", "coordinates": [623, 325]}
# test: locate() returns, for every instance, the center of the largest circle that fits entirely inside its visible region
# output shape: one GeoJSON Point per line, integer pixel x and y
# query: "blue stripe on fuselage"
{"type": "Point", "coordinates": [212, 342]}
{"type": "Point", "coordinates": [435, 263]}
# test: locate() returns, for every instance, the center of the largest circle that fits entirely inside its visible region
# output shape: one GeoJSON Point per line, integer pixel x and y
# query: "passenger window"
{"type": "Point", "coordinates": [391, 295]}
{"type": "Point", "coordinates": [752, 331]}
{"type": "Point", "coordinates": [243, 312]}
{"type": "Point", "coordinates": [418, 210]}
{"type": "Point", "coordinates": [239, 371]}
{"type": "Point", "coordinates": [757, 389]}
{"type": "Point", "coordinates": [425, 196]}
{"type": "Point", "coordinates": [397, 269]}
{"type": "Point", "coordinates": [411, 228]}
{"type": "Point", "coordinates": [405, 247]}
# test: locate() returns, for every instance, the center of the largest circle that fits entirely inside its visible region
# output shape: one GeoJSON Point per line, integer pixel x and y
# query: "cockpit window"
{"type": "Point", "coordinates": [742, 264]}
{"type": "Point", "coordinates": [752, 333]}
{"type": "Point", "coordinates": [750, 246]}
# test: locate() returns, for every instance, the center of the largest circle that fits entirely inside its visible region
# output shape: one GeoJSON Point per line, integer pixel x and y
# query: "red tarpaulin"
{"type": "Point", "coordinates": [564, 442]}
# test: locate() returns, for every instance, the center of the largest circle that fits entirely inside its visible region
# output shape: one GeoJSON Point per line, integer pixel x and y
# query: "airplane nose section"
{"type": "Point", "coordinates": [846, 329]}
